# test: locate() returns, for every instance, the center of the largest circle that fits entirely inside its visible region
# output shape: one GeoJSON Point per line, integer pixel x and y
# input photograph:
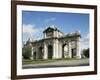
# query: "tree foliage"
{"type": "Point", "coordinates": [26, 52]}
{"type": "Point", "coordinates": [86, 52]}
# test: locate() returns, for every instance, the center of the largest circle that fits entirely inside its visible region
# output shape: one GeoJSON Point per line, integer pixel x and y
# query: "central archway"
{"type": "Point", "coordinates": [50, 51]}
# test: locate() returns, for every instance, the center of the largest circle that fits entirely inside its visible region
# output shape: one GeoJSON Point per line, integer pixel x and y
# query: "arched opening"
{"type": "Point", "coordinates": [64, 51]}
{"type": "Point", "coordinates": [34, 55]}
{"type": "Point", "coordinates": [40, 54]}
{"type": "Point", "coordinates": [50, 51]}
{"type": "Point", "coordinates": [73, 49]}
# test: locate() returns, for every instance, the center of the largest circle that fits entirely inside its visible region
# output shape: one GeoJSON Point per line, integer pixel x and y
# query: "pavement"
{"type": "Point", "coordinates": [59, 63]}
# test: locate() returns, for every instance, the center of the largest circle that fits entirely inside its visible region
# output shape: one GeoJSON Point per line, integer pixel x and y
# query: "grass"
{"type": "Point", "coordinates": [27, 61]}
{"type": "Point", "coordinates": [38, 61]}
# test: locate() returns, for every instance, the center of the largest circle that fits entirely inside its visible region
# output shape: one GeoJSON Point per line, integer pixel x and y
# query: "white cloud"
{"type": "Point", "coordinates": [50, 19]}
{"type": "Point", "coordinates": [31, 31]}
{"type": "Point", "coordinates": [29, 28]}
{"type": "Point", "coordinates": [85, 41]}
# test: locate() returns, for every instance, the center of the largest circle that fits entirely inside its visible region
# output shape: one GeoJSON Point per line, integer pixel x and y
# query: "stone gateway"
{"type": "Point", "coordinates": [55, 45]}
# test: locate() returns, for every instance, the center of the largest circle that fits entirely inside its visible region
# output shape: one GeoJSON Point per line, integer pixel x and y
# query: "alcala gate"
{"type": "Point", "coordinates": [55, 44]}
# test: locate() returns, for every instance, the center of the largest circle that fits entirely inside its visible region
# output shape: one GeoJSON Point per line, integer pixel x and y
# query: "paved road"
{"type": "Point", "coordinates": [59, 63]}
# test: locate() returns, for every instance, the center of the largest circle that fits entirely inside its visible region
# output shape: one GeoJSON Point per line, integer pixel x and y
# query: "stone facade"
{"type": "Point", "coordinates": [55, 45]}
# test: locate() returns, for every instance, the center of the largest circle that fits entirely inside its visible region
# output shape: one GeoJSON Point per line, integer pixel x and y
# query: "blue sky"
{"type": "Point", "coordinates": [34, 22]}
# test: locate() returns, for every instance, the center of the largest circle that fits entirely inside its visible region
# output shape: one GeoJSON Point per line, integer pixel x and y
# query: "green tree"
{"type": "Point", "coordinates": [26, 52]}
{"type": "Point", "coordinates": [86, 52]}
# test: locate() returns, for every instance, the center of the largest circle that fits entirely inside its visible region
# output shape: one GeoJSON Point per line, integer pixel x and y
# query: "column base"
{"type": "Point", "coordinates": [31, 58]}
{"type": "Point", "coordinates": [45, 58]}
{"type": "Point", "coordinates": [78, 57]}
{"type": "Point", "coordinates": [69, 57]}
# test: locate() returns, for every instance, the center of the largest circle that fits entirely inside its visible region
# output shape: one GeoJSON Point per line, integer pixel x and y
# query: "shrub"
{"type": "Point", "coordinates": [26, 52]}
{"type": "Point", "coordinates": [86, 52]}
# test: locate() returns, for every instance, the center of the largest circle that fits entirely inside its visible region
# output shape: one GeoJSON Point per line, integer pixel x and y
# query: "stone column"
{"type": "Point", "coordinates": [60, 50]}
{"type": "Point", "coordinates": [31, 53]}
{"type": "Point", "coordinates": [78, 49]}
{"type": "Point", "coordinates": [55, 49]}
{"type": "Point", "coordinates": [69, 50]}
{"type": "Point", "coordinates": [45, 51]}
